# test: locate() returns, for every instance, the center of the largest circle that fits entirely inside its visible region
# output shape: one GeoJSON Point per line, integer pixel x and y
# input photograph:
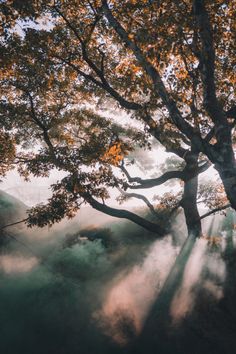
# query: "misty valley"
{"type": "Point", "coordinates": [95, 285]}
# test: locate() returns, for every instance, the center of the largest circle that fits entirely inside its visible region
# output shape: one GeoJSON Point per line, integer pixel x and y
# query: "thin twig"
{"type": "Point", "coordinates": [14, 223]}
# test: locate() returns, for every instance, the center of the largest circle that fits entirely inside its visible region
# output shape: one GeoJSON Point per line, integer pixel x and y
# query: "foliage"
{"type": "Point", "coordinates": [167, 65]}
{"type": "Point", "coordinates": [7, 152]}
{"type": "Point", "coordinates": [212, 195]}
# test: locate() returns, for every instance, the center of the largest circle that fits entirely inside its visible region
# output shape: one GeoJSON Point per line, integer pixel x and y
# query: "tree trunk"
{"type": "Point", "coordinates": [227, 173]}
{"type": "Point", "coordinates": [225, 164]}
{"type": "Point", "coordinates": [154, 336]}
{"type": "Point", "coordinates": [189, 201]}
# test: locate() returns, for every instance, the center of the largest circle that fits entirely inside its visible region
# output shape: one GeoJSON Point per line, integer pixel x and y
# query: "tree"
{"type": "Point", "coordinates": [172, 73]}
{"type": "Point", "coordinates": [207, 63]}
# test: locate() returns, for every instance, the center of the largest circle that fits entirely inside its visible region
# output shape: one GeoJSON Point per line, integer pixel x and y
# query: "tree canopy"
{"type": "Point", "coordinates": [167, 65]}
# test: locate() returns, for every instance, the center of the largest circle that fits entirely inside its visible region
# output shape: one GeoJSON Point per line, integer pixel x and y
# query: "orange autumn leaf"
{"type": "Point", "coordinates": [115, 154]}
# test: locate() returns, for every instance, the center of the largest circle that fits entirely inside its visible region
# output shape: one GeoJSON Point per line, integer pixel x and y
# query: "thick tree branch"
{"type": "Point", "coordinates": [158, 134]}
{"type": "Point", "coordinates": [102, 83]}
{"type": "Point", "coordinates": [204, 167]}
{"type": "Point", "coordinates": [153, 182]}
{"type": "Point", "coordinates": [125, 214]}
{"type": "Point", "coordinates": [210, 135]}
{"type": "Point", "coordinates": [207, 61]}
{"type": "Point", "coordinates": [140, 197]}
{"type": "Point", "coordinates": [231, 113]}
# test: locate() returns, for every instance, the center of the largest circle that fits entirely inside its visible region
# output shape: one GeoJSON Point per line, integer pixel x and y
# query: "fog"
{"type": "Point", "coordinates": [99, 285]}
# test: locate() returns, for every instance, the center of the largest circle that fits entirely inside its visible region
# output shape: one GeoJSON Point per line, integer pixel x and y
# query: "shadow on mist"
{"type": "Point", "coordinates": [106, 288]}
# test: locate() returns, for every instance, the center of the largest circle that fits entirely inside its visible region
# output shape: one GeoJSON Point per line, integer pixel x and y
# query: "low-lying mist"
{"type": "Point", "coordinates": [107, 286]}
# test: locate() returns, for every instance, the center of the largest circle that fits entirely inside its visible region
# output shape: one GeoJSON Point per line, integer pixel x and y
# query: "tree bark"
{"type": "Point", "coordinates": [157, 229]}
{"type": "Point", "coordinates": [189, 201]}
{"type": "Point", "coordinates": [227, 174]}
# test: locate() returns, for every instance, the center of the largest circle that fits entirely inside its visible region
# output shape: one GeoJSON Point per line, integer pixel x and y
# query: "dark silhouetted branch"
{"type": "Point", "coordinates": [13, 224]}
{"type": "Point", "coordinates": [125, 214]}
{"type": "Point", "coordinates": [207, 61]}
{"type": "Point", "coordinates": [153, 182]}
{"type": "Point", "coordinates": [140, 197]}
{"type": "Point", "coordinates": [216, 210]}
